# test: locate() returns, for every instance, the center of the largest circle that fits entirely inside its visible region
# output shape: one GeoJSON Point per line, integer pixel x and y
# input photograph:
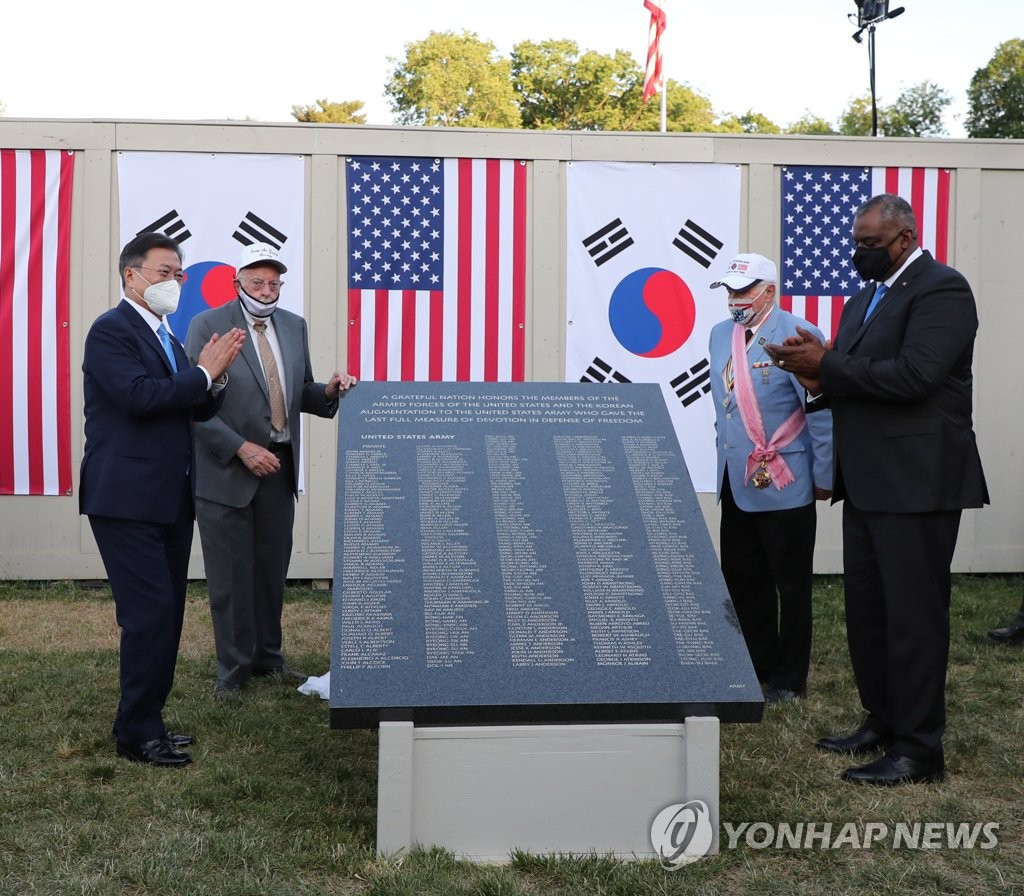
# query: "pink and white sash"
{"type": "Point", "coordinates": [750, 414]}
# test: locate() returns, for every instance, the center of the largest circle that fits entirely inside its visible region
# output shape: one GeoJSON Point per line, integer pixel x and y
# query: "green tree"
{"type": "Point", "coordinates": [326, 112]}
{"type": "Point", "coordinates": [856, 120]}
{"type": "Point", "coordinates": [559, 87]}
{"type": "Point", "coordinates": [453, 80]}
{"type": "Point", "coordinates": [917, 112]}
{"type": "Point", "coordinates": [995, 97]}
{"type": "Point", "coordinates": [750, 122]}
{"type": "Point", "coordinates": [811, 124]}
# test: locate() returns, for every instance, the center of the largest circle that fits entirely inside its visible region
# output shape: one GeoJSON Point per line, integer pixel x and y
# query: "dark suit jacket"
{"type": "Point", "coordinates": [245, 415]}
{"type": "Point", "coordinates": [899, 387]}
{"type": "Point", "coordinates": [138, 416]}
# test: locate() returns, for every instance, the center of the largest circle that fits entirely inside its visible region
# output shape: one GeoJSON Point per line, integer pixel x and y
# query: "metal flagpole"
{"type": "Point", "coordinates": [664, 78]}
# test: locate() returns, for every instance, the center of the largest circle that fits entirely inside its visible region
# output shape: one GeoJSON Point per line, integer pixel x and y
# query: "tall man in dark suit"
{"type": "Point", "coordinates": [141, 396]}
{"type": "Point", "coordinates": [247, 462]}
{"type": "Point", "coordinates": [898, 381]}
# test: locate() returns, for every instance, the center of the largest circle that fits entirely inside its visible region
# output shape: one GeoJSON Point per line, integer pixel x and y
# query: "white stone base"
{"type": "Point", "coordinates": [482, 792]}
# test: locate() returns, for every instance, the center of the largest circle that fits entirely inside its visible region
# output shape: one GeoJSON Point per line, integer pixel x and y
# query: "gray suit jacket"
{"type": "Point", "coordinates": [245, 415]}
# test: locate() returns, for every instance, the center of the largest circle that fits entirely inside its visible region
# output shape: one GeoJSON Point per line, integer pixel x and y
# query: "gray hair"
{"type": "Point", "coordinates": [894, 210]}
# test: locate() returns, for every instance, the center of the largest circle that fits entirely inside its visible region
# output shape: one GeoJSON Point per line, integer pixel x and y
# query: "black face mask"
{"type": "Point", "coordinates": [874, 263]}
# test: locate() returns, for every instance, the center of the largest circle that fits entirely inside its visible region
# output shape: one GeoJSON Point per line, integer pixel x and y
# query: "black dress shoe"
{"type": "Point", "coordinates": [154, 752]}
{"type": "Point", "coordinates": [893, 769]}
{"type": "Point", "coordinates": [783, 695]}
{"type": "Point", "coordinates": [179, 740]}
{"type": "Point", "coordinates": [1009, 634]}
{"type": "Point", "coordinates": [863, 740]}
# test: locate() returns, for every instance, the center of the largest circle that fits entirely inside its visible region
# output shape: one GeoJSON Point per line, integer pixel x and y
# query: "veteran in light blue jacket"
{"type": "Point", "coordinates": [773, 463]}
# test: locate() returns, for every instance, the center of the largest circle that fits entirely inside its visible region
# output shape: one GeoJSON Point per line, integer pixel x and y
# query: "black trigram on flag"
{"type": "Point", "coordinates": [696, 242]}
{"type": "Point", "coordinates": [253, 229]}
{"type": "Point", "coordinates": [609, 241]}
{"type": "Point", "coordinates": [601, 372]}
{"type": "Point", "coordinates": [691, 384]}
{"type": "Point", "coordinates": [170, 225]}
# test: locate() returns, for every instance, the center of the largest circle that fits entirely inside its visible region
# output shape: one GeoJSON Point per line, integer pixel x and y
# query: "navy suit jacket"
{"type": "Point", "coordinates": [138, 416]}
{"type": "Point", "coordinates": [899, 385]}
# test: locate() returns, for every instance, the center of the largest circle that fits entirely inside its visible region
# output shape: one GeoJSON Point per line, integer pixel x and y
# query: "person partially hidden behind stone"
{"type": "Point", "coordinates": [774, 461]}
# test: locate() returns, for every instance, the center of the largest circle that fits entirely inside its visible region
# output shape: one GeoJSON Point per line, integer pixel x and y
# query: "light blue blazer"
{"type": "Point", "coordinates": [809, 455]}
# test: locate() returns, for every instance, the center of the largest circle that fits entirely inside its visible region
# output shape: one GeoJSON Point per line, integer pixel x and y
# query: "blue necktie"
{"type": "Point", "coordinates": [165, 338]}
{"type": "Point", "coordinates": [879, 295]}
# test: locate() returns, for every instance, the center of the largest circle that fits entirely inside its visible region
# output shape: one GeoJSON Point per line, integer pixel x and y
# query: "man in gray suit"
{"type": "Point", "coordinates": [246, 468]}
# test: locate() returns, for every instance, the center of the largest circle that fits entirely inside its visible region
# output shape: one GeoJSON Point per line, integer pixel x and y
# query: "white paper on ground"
{"type": "Point", "coordinates": [317, 686]}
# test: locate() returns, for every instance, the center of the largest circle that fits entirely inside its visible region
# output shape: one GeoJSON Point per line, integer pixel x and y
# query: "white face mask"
{"type": "Point", "coordinates": [161, 297]}
{"type": "Point", "coordinates": [742, 310]}
{"type": "Point", "coordinates": [254, 307]}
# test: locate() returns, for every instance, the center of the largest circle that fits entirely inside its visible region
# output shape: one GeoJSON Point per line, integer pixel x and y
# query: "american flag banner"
{"type": "Point", "coordinates": [653, 75]}
{"type": "Point", "coordinates": [436, 269]}
{"type": "Point", "coordinates": [818, 204]}
{"type": "Point", "coordinates": [35, 360]}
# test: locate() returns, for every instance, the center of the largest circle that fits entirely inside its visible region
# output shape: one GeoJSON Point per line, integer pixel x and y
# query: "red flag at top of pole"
{"type": "Point", "coordinates": [653, 78]}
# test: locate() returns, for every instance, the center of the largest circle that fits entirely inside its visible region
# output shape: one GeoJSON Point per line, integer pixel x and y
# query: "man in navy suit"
{"type": "Point", "coordinates": [141, 396]}
{"type": "Point", "coordinates": [898, 381]}
{"type": "Point", "coordinates": [773, 462]}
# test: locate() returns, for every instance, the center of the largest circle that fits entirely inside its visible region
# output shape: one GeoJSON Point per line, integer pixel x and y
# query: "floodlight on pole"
{"type": "Point", "coordinates": [869, 14]}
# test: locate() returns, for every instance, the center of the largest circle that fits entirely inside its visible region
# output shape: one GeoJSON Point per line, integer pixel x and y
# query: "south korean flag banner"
{"type": "Point", "coordinates": [213, 204]}
{"type": "Point", "coordinates": [644, 243]}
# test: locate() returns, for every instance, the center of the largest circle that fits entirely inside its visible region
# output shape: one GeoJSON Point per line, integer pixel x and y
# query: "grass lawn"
{"type": "Point", "coordinates": [277, 803]}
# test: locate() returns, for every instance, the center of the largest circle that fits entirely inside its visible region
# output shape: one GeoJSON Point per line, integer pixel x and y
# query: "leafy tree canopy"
{"type": "Point", "coordinates": [452, 79]}
{"type": "Point", "coordinates": [995, 97]}
{"type": "Point", "coordinates": [811, 124]}
{"type": "Point", "coordinates": [750, 122]}
{"type": "Point", "coordinates": [917, 112]}
{"type": "Point", "coordinates": [326, 112]}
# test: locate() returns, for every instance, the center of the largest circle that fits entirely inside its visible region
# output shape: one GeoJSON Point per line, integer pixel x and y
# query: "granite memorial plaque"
{"type": "Point", "coordinates": [525, 553]}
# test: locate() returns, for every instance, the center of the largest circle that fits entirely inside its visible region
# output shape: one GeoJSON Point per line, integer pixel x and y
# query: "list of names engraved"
{"type": "Point", "coordinates": [451, 577]}
{"type": "Point", "coordinates": [373, 565]}
{"type": "Point", "coordinates": [618, 626]}
{"type": "Point", "coordinates": [537, 635]}
{"type": "Point", "coordinates": [653, 480]}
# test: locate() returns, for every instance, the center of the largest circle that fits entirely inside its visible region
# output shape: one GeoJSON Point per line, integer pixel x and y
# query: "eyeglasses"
{"type": "Point", "coordinates": [163, 273]}
{"type": "Point", "coordinates": [257, 285]}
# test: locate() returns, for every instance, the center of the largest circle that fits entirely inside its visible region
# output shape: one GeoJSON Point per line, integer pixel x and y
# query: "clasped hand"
{"type": "Point", "coordinates": [801, 355]}
{"type": "Point", "coordinates": [219, 353]}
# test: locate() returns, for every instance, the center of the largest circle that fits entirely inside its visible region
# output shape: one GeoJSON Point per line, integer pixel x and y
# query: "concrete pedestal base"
{"type": "Point", "coordinates": [483, 792]}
